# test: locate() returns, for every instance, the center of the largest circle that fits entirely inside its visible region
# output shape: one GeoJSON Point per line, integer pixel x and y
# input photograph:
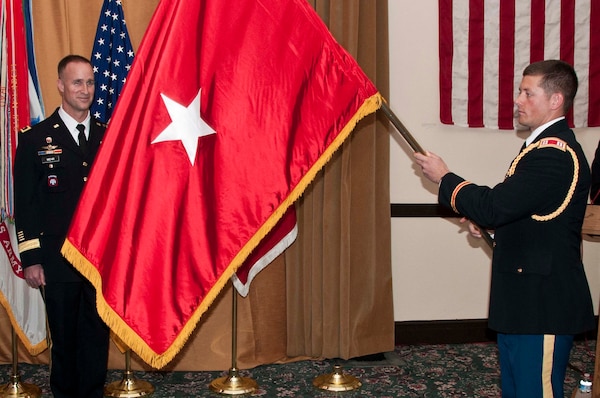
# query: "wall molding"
{"type": "Point", "coordinates": [420, 210]}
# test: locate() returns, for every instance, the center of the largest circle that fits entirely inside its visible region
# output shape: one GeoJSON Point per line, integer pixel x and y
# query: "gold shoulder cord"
{"type": "Point", "coordinates": [564, 204]}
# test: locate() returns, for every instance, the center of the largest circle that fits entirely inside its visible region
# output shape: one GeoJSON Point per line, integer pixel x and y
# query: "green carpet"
{"type": "Point", "coordinates": [437, 371]}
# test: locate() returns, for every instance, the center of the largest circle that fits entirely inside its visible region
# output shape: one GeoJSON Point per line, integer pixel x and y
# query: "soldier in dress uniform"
{"type": "Point", "coordinates": [539, 296]}
{"type": "Point", "coordinates": [52, 164]}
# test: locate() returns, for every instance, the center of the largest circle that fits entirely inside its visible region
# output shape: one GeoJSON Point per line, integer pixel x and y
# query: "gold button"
{"type": "Point", "coordinates": [50, 166]}
{"type": "Point", "coordinates": [84, 179]}
{"type": "Point", "coordinates": [85, 164]}
{"type": "Point", "coordinates": [520, 270]}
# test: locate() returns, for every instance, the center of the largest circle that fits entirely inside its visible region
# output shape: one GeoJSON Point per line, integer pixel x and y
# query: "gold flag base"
{"type": "Point", "coordinates": [336, 381]}
{"type": "Point", "coordinates": [129, 387]}
{"type": "Point", "coordinates": [17, 389]}
{"type": "Point", "coordinates": [233, 384]}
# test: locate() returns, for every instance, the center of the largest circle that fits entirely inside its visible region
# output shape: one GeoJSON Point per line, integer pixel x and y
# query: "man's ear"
{"type": "Point", "coordinates": [557, 100]}
{"type": "Point", "coordinates": [61, 86]}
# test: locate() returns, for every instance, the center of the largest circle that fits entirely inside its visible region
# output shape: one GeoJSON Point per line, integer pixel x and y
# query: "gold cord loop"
{"type": "Point", "coordinates": [571, 190]}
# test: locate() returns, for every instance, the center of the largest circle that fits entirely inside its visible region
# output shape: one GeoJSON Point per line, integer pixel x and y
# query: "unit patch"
{"type": "Point", "coordinates": [52, 180]}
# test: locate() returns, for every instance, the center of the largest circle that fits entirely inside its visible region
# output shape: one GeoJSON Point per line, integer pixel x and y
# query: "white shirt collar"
{"type": "Point", "coordinates": [535, 133]}
{"type": "Point", "coordinates": [71, 124]}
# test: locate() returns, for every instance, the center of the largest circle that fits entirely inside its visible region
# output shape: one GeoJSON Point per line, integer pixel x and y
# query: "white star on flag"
{"type": "Point", "coordinates": [186, 125]}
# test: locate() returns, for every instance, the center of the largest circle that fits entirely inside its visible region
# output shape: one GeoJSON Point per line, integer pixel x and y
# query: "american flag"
{"type": "Point", "coordinates": [111, 58]}
{"type": "Point", "coordinates": [485, 45]}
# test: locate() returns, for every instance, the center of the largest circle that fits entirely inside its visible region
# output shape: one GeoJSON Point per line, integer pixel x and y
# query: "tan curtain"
{"type": "Point", "coordinates": [343, 251]}
{"type": "Point", "coordinates": [339, 282]}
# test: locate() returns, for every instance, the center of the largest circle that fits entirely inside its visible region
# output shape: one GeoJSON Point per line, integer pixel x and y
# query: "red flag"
{"type": "Point", "coordinates": [227, 115]}
{"type": "Point", "coordinates": [484, 47]}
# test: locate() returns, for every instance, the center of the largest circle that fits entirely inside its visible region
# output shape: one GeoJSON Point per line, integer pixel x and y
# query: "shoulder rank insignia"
{"type": "Point", "coordinates": [553, 142]}
{"type": "Point", "coordinates": [25, 129]}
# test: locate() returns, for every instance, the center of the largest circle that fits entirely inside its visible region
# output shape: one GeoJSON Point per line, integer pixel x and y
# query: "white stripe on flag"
{"type": "Point", "coordinates": [491, 60]}
{"type": "Point", "coordinates": [582, 62]}
{"type": "Point", "coordinates": [460, 66]}
{"type": "Point", "coordinates": [522, 35]}
{"type": "Point", "coordinates": [552, 30]}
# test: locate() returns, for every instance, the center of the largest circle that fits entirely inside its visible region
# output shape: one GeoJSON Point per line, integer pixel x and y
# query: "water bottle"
{"type": "Point", "coordinates": [585, 387]}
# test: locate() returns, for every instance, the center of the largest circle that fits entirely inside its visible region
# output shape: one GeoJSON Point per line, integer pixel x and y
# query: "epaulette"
{"type": "Point", "coordinates": [25, 129]}
{"type": "Point", "coordinates": [553, 142]}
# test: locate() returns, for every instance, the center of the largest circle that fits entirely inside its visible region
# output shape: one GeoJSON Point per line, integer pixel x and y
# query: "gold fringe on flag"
{"type": "Point", "coordinates": [129, 337]}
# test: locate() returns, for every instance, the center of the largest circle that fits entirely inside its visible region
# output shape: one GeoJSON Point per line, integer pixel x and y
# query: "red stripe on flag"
{"type": "Point", "coordinates": [594, 73]}
{"type": "Point", "coordinates": [567, 31]}
{"type": "Point", "coordinates": [446, 49]}
{"type": "Point", "coordinates": [538, 23]}
{"type": "Point", "coordinates": [506, 65]}
{"type": "Point", "coordinates": [476, 53]}
{"type": "Point", "coordinates": [567, 39]}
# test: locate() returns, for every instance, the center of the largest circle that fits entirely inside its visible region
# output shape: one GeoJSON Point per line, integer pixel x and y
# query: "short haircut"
{"type": "Point", "coordinates": [557, 77]}
{"type": "Point", "coordinates": [71, 58]}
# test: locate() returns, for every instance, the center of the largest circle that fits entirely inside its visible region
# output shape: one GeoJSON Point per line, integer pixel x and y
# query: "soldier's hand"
{"type": "Point", "coordinates": [34, 276]}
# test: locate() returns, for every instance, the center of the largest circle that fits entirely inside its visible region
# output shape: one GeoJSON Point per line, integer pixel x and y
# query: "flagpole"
{"type": "Point", "coordinates": [15, 388]}
{"type": "Point", "coordinates": [417, 148]}
{"type": "Point", "coordinates": [233, 384]}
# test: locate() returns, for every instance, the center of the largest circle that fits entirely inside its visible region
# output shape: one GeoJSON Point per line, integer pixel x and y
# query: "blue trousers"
{"type": "Point", "coordinates": [533, 366]}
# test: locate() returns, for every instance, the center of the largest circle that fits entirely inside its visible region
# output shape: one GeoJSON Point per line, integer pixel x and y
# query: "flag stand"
{"type": "Point", "coordinates": [15, 388]}
{"type": "Point", "coordinates": [336, 381]}
{"type": "Point", "coordinates": [233, 384]}
{"type": "Point", "coordinates": [129, 386]}
{"type": "Point", "coordinates": [417, 148]}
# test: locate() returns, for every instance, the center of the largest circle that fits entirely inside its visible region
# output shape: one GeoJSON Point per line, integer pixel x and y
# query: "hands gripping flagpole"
{"type": "Point", "coordinates": [417, 148]}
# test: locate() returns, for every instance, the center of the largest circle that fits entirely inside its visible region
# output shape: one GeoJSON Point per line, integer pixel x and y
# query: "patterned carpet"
{"type": "Point", "coordinates": [446, 370]}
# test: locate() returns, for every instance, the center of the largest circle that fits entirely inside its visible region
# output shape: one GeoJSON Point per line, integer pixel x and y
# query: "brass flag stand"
{"type": "Point", "coordinates": [129, 386]}
{"type": "Point", "coordinates": [15, 388]}
{"type": "Point", "coordinates": [336, 381]}
{"type": "Point", "coordinates": [233, 384]}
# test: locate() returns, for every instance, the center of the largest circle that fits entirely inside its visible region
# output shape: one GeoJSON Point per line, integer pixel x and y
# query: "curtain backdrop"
{"type": "Point", "coordinates": [330, 294]}
{"type": "Point", "coordinates": [339, 282]}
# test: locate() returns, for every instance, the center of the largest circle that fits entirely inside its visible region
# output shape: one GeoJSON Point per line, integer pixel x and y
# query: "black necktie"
{"type": "Point", "coordinates": [82, 139]}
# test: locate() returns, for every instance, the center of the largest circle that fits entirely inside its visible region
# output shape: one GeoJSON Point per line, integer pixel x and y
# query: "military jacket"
{"type": "Point", "coordinates": [50, 171]}
{"type": "Point", "coordinates": [538, 281]}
